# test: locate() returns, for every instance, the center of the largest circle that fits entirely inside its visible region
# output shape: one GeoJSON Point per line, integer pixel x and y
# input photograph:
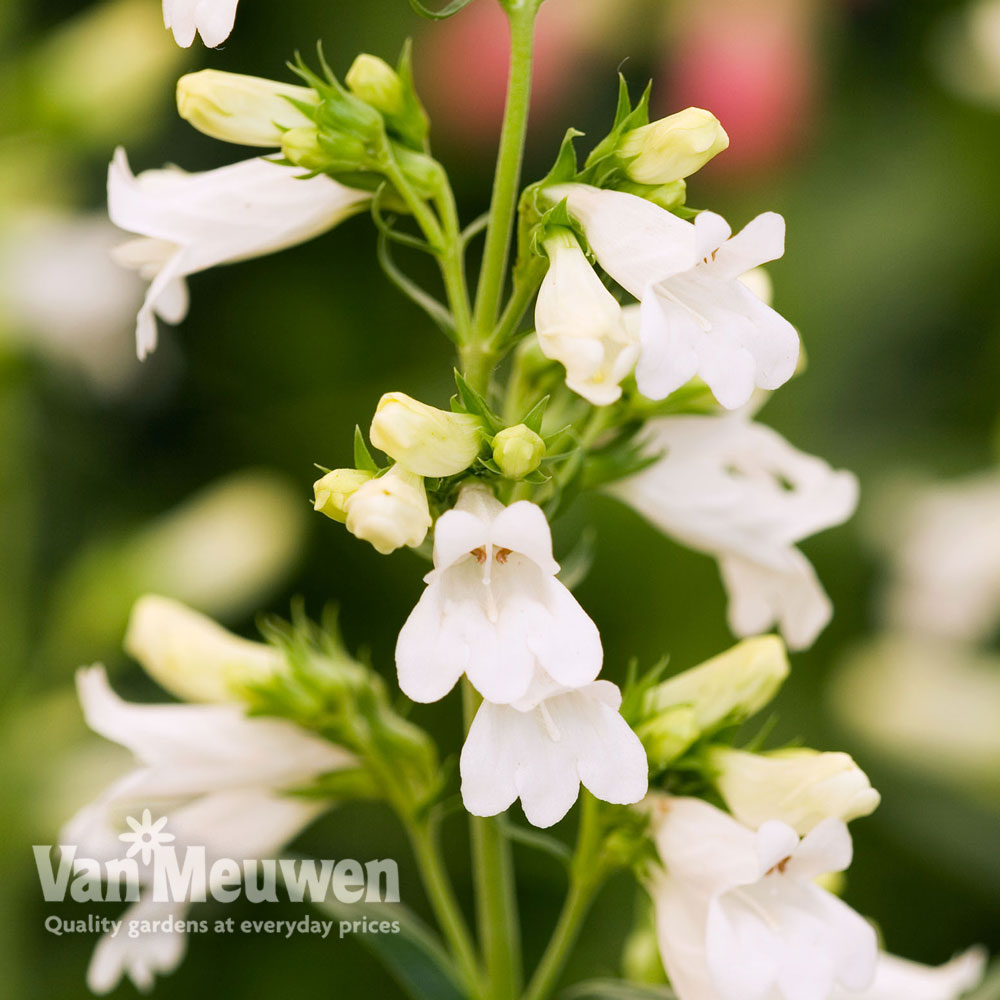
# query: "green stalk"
{"type": "Point", "coordinates": [586, 877]}
{"type": "Point", "coordinates": [506, 181]}
{"type": "Point", "coordinates": [445, 905]}
{"type": "Point", "coordinates": [496, 898]}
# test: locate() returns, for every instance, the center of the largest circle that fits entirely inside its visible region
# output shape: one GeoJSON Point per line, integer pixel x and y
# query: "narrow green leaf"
{"type": "Point", "coordinates": [474, 403]}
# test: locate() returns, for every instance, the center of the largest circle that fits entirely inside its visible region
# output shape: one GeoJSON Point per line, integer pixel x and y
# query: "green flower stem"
{"type": "Point", "coordinates": [525, 287]}
{"type": "Point", "coordinates": [521, 14]}
{"type": "Point", "coordinates": [496, 899]}
{"type": "Point", "coordinates": [586, 877]}
{"type": "Point", "coordinates": [446, 909]}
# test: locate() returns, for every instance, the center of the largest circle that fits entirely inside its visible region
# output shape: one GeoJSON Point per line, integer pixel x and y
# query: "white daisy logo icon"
{"type": "Point", "coordinates": [146, 836]}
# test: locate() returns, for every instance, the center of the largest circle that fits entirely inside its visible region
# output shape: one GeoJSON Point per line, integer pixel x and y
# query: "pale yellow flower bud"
{"type": "Point", "coordinates": [729, 687]}
{"type": "Point", "coordinates": [332, 492]}
{"type": "Point", "coordinates": [671, 148]}
{"type": "Point", "coordinates": [424, 439]}
{"type": "Point", "coordinates": [518, 451]}
{"type": "Point", "coordinates": [191, 656]}
{"type": "Point", "coordinates": [390, 511]}
{"type": "Point", "coordinates": [800, 787]}
{"type": "Point", "coordinates": [376, 83]}
{"type": "Point", "coordinates": [248, 110]}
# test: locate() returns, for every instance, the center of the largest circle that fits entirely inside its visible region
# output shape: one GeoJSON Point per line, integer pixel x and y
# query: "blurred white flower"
{"type": "Point", "coordinates": [580, 324]}
{"type": "Point", "coordinates": [212, 19]}
{"type": "Point", "coordinates": [216, 774]}
{"type": "Point", "coordinates": [932, 704]}
{"type": "Point", "coordinates": [542, 755]}
{"type": "Point", "coordinates": [190, 222]}
{"type": "Point", "coordinates": [62, 296]}
{"type": "Point", "coordinates": [947, 560]}
{"type": "Point", "coordinates": [494, 610]}
{"type": "Point", "coordinates": [697, 317]}
{"type": "Point", "coordinates": [800, 787]}
{"type": "Point", "coordinates": [738, 915]}
{"type": "Point", "coordinates": [737, 490]}
{"type": "Point", "coordinates": [190, 655]}
{"type": "Point", "coordinates": [390, 511]}
{"type": "Point", "coordinates": [967, 51]}
{"type": "Point", "coordinates": [898, 978]}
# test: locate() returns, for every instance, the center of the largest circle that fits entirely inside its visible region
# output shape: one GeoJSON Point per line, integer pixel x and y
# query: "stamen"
{"type": "Point", "coordinates": [480, 555]}
{"type": "Point", "coordinates": [779, 867]}
{"type": "Point", "coordinates": [501, 555]}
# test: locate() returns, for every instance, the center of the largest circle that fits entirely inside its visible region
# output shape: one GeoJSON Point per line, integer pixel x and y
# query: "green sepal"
{"type": "Point", "coordinates": [474, 403]}
{"type": "Point", "coordinates": [448, 10]}
{"type": "Point", "coordinates": [533, 418]}
{"type": "Point", "coordinates": [362, 456]}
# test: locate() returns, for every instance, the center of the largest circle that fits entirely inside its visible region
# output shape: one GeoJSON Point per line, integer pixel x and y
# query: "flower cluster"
{"type": "Point", "coordinates": [654, 344]}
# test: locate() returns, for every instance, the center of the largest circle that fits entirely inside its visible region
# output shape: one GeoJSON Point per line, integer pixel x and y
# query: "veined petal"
{"type": "Point", "coordinates": [430, 657]}
{"type": "Point", "coordinates": [566, 643]}
{"type": "Point", "coordinates": [456, 534]}
{"type": "Point", "coordinates": [489, 762]}
{"type": "Point", "coordinates": [760, 241]}
{"type": "Point", "coordinates": [636, 242]}
{"type": "Point", "coordinates": [522, 527]}
{"type": "Point", "coordinates": [668, 356]}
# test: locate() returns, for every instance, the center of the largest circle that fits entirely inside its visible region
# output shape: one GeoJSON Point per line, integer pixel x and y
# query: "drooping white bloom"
{"type": "Point", "coordinates": [189, 222]}
{"type": "Point", "coordinates": [542, 755]}
{"type": "Point", "coordinates": [800, 787]}
{"type": "Point", "coordinates": [897, 978]}
{"type": "Point", "coordinates": [390, 511]}
{"type": "Point", "coordinates": [217, 775]}
{"type": "Point", "coordinates": [947, 572]}
{"type": "Point", "coordinates": [580, 324]}
{"type": "Point", "coordinates": [697, 317]}
{"type": "Point", "coordinates": [739, 916]}
{"type": "Point", "coordinates": [494, 610]}
{"type": "Point", "coordinates": [212, 19]}
{"type": "Point", "coordinates": [737, 490]}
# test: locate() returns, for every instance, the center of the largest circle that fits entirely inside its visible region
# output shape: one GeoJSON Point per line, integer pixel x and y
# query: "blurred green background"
{"type": "Point", "coordinates": [866, 123]}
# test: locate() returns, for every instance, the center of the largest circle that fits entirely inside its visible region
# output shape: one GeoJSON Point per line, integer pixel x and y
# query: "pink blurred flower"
{"type": "Point", "coordinates": [753, 64]}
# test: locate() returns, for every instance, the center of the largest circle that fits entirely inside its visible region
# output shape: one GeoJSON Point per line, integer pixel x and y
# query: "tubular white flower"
{"type": "Point", "coordinates": [697, 317]}
{"type": "Point", "coordinates": [424, 439]}
{"type": "Point", "coordinates": [249, 110]}
{"type": "Point", "coordinates": [737, 490]}
{"type": "Point", "coordinates": [799, 787]}
{"type": "Point", "coordinates": [216, 774]}
{"type": "Point", "coordinates": [191, 222]}
{"type": "Point", "coordinates": [212, 19]}
{"type": "Point", "coordinates": [542, 755]}
{"type": "Point", "coordinates": [494, 610]}
{"type": "Point", "coordinates": [190, 655]}
{"type": "Point", "coordinates": [739, 916]}
{"type": "Point", "coordinates": [390, 511]}
{"type": "Point", "coordinates": [580, 324]}
{"type": "Point", "coordinates": [898, 977]}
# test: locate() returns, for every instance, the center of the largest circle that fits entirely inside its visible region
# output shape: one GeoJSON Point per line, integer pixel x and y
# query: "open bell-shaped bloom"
{"type": "Point", "coordinates": [697, 317]}
{"type": "Point", "coordinates": [212, 19]}
{"type": "Point", "coordinates": [494, 610]}
{"type": "Point", "coordinates": [189, 222]}
{"type": "Point", "coordinates": [739, 916]}
{"type": "Point", "coordinates": [581, 325]}
{"type": "Point", "coordinates": [737, 490]}
{"type": "Point", "coordinates": [218, 777]}
{"type": "Point", "coordinates": [544, 754]}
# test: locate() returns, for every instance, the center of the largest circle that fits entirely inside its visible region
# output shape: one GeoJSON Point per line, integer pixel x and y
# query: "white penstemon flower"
{"type": "Point", "coordinates": [212, 19]}
{"type": "Point", "coordinates": [189, 222]}
{"type": "Point", "coordinates": [494, 610]}
{"type": "Point", "coordinates": [697, 317]}
{"type": "Point", "coordinates": [737, 490]}
{"type": "Point", "coordinates": [217, 774]}
{"type": "Point", "coordinates": [897, 978]}
{"type": "Point", "coordinates": [581, 325]}
{"type": "Point", "coordinates": [739, 916]}
{"type": "Point", "coordinates": [543, 755]}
